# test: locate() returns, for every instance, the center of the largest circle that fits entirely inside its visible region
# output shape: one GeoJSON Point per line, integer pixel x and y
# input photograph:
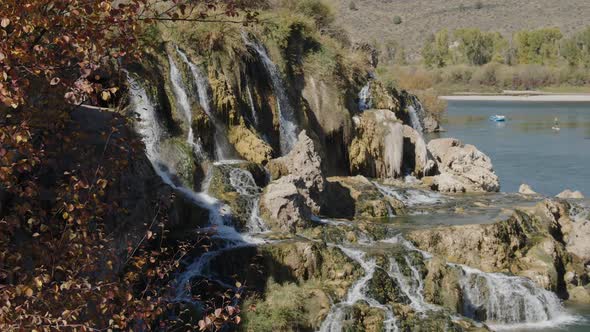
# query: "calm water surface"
{"type": "Point", "coordinates": [525, 149]}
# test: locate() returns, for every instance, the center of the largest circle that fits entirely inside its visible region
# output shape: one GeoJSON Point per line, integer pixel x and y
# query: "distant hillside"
{"type": "Point", "coordinates": [374, 19]}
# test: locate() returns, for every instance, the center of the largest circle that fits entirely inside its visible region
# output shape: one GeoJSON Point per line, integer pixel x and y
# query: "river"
{"type": "Point", "coordinates": [525, 148]}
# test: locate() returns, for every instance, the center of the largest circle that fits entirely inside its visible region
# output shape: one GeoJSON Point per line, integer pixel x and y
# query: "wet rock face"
{"type": "Point", "coordinates": [540, 243]}
{"type": "Point", "coordinates": [356, 197]}
{"type": "Point", "coordinates": [377, 149]}
{"type": "Point", "coordinates": [417, 158]}
{"type": "Point", "coordinates": [463, 168]}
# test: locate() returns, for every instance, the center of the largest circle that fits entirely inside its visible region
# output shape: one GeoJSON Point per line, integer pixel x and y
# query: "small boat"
{"type": "Point", "coordinates": [555, 128]}
{"type": "Point", "coordinates": [498, 118]}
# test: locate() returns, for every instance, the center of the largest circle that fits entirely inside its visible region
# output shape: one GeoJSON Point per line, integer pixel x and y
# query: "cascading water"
{"type": "Point", "coordinates": [151, 132]}
{"type": "Point", "coordinates": [410, 197]}
{"type": "Point", "coordinates": [288, 128]}
{"type": "Point", "coordinates": [501, 299]}
{"type": "Point", "coordinates": [184, 105]}
{"type": "Point", "coordinates": [244, 183]}
{"type": "Point", "coordinates": [365, 101]}
{"type": "Point", "coordinates": [412, 286]}
{"type": "Point", "coordinates": [223, 150]}
{"type": "Point", "coordinates": [252, 106]}
{"type": "Point", "coordinates": [416, 112]}
{"type": "Point", "coordinates": [357, 292]}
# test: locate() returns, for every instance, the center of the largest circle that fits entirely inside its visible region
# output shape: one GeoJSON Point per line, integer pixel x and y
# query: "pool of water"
{"type": "Point", "coordinates": [525, 148]}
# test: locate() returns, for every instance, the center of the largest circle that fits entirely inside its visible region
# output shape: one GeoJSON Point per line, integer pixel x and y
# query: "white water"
{"type": "Point", "coordinates": [410, 197]}
{"type": "Point", "coordinates": [223, 149]}
{"type": "Point", "coordinates": [393, 143]}
{"type": "Point", "coordinates": [182, 100]}
{"type": "Point", "coordinates": [244, 183]}
{"type": "Point", "coordinates": [414, 119]}
{"type": "Point", "coordinates": [252, 105]}
{"type": "Point", "coordinates": [509, 300]}
{"type": "Point", "coordinates": [412, 287]}
{"type": "Point", "coordinates": [288, 129]}
{"type": "Point", "coordinates": [357, 292]}
{"type": "Point", "coordinates": [416, 111]}
{"type": "Point", "coordinates": [150, 130]}
{"type": "Point", "coordinates": [365, 101]}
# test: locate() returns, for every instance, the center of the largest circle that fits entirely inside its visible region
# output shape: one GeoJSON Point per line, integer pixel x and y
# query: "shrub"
{"type": "Point", "coordinates": [397, 20]}
{"type": "Point", "coordinates": [478, 5]}
{"type": "Point", "coordinates": [352, 6]}
{"type": "Point", "coordinates": [485, 75]}
{"type": "Point", "coordinates": [322, 14]}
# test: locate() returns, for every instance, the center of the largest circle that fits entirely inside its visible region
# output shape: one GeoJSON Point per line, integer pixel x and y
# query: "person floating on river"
{"type": "Point", "coordinates": [556, 124]}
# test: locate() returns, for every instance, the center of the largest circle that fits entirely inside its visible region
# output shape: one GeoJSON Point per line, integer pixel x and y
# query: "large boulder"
{"type": "Point", "coordinates": [377, 149]}
{"type": "Point", "coordinates": [304, 164]}
{"type": "Point", "coordinates": [462, 167]}
{"type": "Point", "coordinates": [283, 207]}
{"type": "Point", "coordinates": [417, 158]}
{"type": "Point", "coordinates": [569, 194]}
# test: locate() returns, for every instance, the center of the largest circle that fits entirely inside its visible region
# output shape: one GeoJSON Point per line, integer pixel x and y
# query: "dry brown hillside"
{"type": "Point", "coordinates": [374, 19]}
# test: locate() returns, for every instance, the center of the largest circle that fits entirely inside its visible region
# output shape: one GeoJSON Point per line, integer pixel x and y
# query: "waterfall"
{"type": "Point", "coordinates": [416, 113]}
{"type": "Point", "coordinates": [223, 149]}
{"type": "Point", "coordinates": [412, 287]}
{"type": "Point", "coordinates": [357, 292]}
{"type": "Point", "coordinates": [184, 105]}
{"type": "Point", "coordinates": [252, 105]}
{"type": "Point", "coordinates": [365, 101]}
{"type": "Point", "coordinates": [410, 197]}
{"type": "Point", "coordinates": [243, 182]}
{"type": "Point", "coordinates": [151, 132]}
{"type": "Point", "coordinates": [503, 299]}
{"type": "Point", "coordinates": [288, 129]}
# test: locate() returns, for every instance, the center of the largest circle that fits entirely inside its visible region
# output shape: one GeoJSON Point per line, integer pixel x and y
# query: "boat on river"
{"type": "Point", "coordinates": [498, 118]}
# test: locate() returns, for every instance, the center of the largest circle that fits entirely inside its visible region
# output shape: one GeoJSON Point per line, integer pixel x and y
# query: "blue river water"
{"type": "Point", "coordinates": [525, 148]}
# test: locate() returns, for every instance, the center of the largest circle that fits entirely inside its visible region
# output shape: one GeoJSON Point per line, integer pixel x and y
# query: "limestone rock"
{"type": "Point", "coordinates": [570, 194]}
{"type": "Point", "coordinates": [249, 145]}
{"type": "Point", "coordinates": [304, 166]}
{"type": "Point", "coordinates": [283, 207]}
{"type": "Point", "coordinates": [431, 125]}
{"type": "Point", "coordinates": [417, 159]}
{"type": "Point", "coordinates": [377, 149]}
{"type": "Point", "coordinates": [529, 244]}
{"type": "Point", "coordinates": [463, 168]}
{"type": "Point", "coordinates": [357, 197]}
{"type": "Point", "coordinates": [525, 189]}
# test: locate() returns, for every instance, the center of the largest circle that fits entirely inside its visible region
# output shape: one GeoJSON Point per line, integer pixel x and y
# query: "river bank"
{"type": "Point", "coordinates": [523, 96]}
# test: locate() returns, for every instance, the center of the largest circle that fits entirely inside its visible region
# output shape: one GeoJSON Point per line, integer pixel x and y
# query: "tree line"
{"type": "Point", "coordinates": [545, 46]}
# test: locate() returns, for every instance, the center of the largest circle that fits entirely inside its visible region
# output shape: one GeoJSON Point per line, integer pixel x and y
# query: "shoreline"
{"type": "Point", "coordinates": [519, 97]}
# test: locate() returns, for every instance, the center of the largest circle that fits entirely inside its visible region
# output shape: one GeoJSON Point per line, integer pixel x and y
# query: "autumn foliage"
{"type": "Point", "coordinates": [60, 267]}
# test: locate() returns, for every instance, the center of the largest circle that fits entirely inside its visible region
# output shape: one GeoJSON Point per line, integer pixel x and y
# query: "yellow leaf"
{"type": "Point", "coordinates": [65, 215]}
{"type": "Point", "coordinates": [28, 292]}
{"type": "Point", "coordinates": [38, 282]}
{"type": "Point", "coordinates": [105, 95]}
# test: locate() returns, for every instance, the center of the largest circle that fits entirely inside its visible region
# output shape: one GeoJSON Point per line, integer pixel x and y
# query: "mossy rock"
{"type": "Point", "coordinates": [287, 307]}
{"type": "Point", "coordinates": [363, 317]}
{"type": "Point", "coordinates": [385, 289]}
{"type": "Point", "coordinates": [177, 153]}
{"type": "Point", "coordinates": [249, 178]}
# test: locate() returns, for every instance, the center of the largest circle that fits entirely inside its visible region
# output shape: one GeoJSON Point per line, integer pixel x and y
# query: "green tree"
{"type": "Point", "coordinates": [436, 52]}
{"type": "Point", "coordinates": [538, 46]}
{"type": "Point", "coordinates": [576, 50]}
{"type": "Point", "coordinates": [479, 48]}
